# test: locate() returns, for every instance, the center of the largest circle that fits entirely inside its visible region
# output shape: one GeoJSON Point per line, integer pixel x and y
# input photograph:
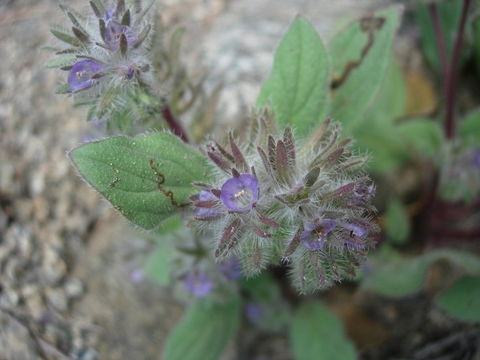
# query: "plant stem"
{"type": "Point", "coordinates": [173, 122]}
{"type": "Point", "coordinates": [452, 74]}
{"type": "Point", "coordinates": [439, 38]}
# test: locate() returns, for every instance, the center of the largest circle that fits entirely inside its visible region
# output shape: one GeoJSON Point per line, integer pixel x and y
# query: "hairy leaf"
{"type": "Point", "coordinates": [423, 135]}
{"type": "Point", "coordinates": [317, 334]}
{"type": "Point", "coordinates": [297, 87]}
{"type": "Point", "coordinates": [360, 56]}
{"type": "Point", "coordinates": [203, 332]}
{"type": "Point", "coordinates": [469, 128]}
{"type": "Point", "coordinates": [462, 300]}
{"type": "Point", "coordinates": [393, 275]}
{"type": "Point", "coordinates": [449, 14]}
{"type": "Point", "coordinates": [397, 224]}
{"type": "Point", "coordinates": [147, 178]}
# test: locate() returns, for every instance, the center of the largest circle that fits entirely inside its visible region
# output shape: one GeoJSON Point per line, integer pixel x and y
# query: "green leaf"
{"type": "Point", "coordinates": [397, 225]}
{"type": "Point", "coordinates": [61, 61]}
{"type": "Point", "coordinates": [146, 178]}
{"type": "Point", "coordinates": [316, 334]}
{"type": "Point", "coordinates": [424, 135]}
{"type": "Point", "coordinates": [158, 267]}
{"type": "Point", "coordinates": [63, 89]}
{"type": "Point", "coordinates": [352, 96]}
{"type": "Point", "coordinates": [65, 36]}
{"type": "Point", "coordinates": [469, 128]}
{"type": "Point", "coordinates": [297, 88]}
{"type": "Point", "coordinates": [476, 41]}
{"type": "Point", "coordinates": [378, 134]}
{"type": "Point", "coordinates": [463, 299]}
{"type": "Point", "coordinates": [394, 275]}
{"type": "Point", "coordinates": [203, 332]}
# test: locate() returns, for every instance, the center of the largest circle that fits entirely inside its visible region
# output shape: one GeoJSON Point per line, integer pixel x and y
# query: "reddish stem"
{"type": "Point", "coordinates": [439, 38]}
{"type": "Point", "coordinates": [452, 74]}
{"type": "Point", "coordinates": [173, 123]}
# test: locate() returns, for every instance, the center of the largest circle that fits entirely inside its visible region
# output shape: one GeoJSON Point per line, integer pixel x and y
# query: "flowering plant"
{"type": "Point", "coordinates": [289, 197]}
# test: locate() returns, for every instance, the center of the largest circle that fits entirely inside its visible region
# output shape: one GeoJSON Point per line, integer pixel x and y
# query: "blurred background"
{"type": "Point", "coordinates": [71, 279]}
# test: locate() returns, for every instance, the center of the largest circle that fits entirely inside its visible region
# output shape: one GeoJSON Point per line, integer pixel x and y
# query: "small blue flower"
{"type": "Point", "coordinates": [208, 211]}
{"type": "Point", "coordinates": [82, 74]}
{"type": "Point", "coordinates": [113, 33]}
{"type": "Point", "coordinates": [198, 283]}
{"type": "Point", "coordinates": [240, 193]}
{"type": "Point", "coordinates": [357, 232]}
{"type": "Point", "coordinates": [476, 158]}
{"type": "Point", "coordinates": [230, 269]}
{"type": "Point", "coordinates": [253, 312]}
{"type": "Point", "coordinates": [315, 235]}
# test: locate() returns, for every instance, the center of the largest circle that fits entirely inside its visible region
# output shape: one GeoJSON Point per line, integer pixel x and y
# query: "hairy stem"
{"type": "Point", "coordinates": [173, 122]}
{"type": "Point", "coordinates": [452, 74]}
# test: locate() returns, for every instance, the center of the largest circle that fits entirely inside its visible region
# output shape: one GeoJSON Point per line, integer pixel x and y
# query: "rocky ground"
{"type": "Point", "coordinates": [69, 281]}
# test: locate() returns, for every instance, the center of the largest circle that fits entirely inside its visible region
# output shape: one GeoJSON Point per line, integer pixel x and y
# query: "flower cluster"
{"type": "Point", "coordinates": [274, 199]}
{"type": "Point", "coordinates": [106, 52]}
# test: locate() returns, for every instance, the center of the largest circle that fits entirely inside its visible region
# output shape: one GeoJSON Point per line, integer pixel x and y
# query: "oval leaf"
{"type": "Point", "coordinates": [146, 178]}
{"type": "Point", "coordinates": [469, 128]}
{"type": "Point", "coordinates": [317, 334]}
{"type": "Point", "coordinates": [203, 332]}
{"type": "Point", "coordinates": [463, 299]}
{"type": "Point", "coordinates": [393, 275]}
{"type": "Point", "coordinates": [361, 54]}
{"type": "Point", "coordinates": [397, 225]}
{"type": "Point", "coordinates": [297, 87]}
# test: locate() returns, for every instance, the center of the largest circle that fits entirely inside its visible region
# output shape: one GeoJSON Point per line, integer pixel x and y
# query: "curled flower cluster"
{"type": "Point", "coordinates": [107, 50]}
{"type": "Point", "coordinates": [274, 199]}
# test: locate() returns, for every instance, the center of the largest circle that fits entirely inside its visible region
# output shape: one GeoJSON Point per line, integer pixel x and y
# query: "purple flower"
{"type": "Point", "coordinates": [356, 232]}
{"type": "Point", "coordinates": [206, 212]}
{"type": "Point", "coordinates": [137, 276]}
{"type": "Point", "coordinates": [240, 193]}
{"type": "Point", "coordinates": [230, 269]}
{"type": "Point", "coordinates": [198, 283]}
{"type": "Point", "coordinates": [113, 33]}
{"type": "Point", "coordinates": [109, 14]}
{"type": "Point", "coordinates": [82, 73]}
{"type": "Point", "coordinates": [315, 235]}
{"type": "Point", "coordinates": [476, 158]}
{"type": "Point", "coordinates": [253, 311]}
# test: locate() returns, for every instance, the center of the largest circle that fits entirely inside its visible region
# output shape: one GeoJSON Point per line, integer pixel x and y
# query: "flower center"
{"type": "Point", "coordinates": [240, 193]}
